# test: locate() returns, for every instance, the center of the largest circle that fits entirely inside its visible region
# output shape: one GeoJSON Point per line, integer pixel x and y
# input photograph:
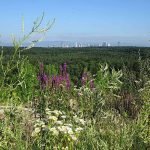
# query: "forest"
{"type": "Point", "coordinates": [89, 58]}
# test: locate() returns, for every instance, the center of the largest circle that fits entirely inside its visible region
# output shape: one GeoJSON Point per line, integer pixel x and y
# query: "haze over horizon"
{"type": "Point", "coordinates": [83, 21]}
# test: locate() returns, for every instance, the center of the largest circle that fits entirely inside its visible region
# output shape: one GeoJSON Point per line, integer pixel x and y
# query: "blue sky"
{"type": "Point", "coordinates": [126, 21]}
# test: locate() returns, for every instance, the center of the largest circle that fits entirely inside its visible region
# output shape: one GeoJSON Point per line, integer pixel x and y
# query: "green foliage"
{"type": "Point", "coordinates": [108, 80]}
{"type": "Point", "coordinates": [51, 69]}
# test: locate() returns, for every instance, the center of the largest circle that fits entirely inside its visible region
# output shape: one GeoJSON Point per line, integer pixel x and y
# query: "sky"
{"type": "Point", "coordinates": [126, 21]}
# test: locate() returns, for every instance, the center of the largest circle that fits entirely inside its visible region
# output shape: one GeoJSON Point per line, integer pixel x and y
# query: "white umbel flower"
{"type": "Point", "coordinates": [53, 118]}
{"type": "Point", "coordinates": [54, 131]}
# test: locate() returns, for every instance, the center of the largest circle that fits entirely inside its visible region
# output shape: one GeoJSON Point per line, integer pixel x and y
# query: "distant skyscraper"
{"type": "Point", "coordinates": [76, 45]}
{"type": "Point", "coordinates": [104, 44]}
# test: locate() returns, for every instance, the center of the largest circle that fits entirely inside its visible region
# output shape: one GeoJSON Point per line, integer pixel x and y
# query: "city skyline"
{"type": "Point", "coordinates": [80, 21]}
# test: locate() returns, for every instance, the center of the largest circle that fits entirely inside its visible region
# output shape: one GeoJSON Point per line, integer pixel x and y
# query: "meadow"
{"type": "Point", "coordinates": [92, 98]}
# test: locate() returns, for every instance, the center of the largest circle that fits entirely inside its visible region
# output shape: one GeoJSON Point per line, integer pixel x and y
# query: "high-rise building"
{"type": "Point", "coordinates": [104, 44]}
{"type": "Point", "coordinates": [76, 44]}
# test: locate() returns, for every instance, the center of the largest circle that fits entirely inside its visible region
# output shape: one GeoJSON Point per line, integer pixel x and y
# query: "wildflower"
{"type": "Point", "coordinates": [57, 112]}
{"type": "Point", "coordinates": [76, 89]}
{"type": "Point", "coordinates": [35, 132]}
{"type": "Point", "coordinates": [79, 129]}
{"type": "Point", "coordinates": [92, 84]}
{"type": "Point", "coordinates": [59, 122]}
{"type": "Point", "coordinates": [73, 137]}
{"type": "Point", "coordinates": [80, 94]}
{"type": "Point", "coordinates": [48, 112]}
{"type": "Point", "coordinates": [84, 79]}
{"type": "Point", "coordinates": [65, 148]}
{"type": "Point", "coordinates": [53, 118]}
{"type": "Point", "coordinates": [63, 117]}
{"type": "Point", "coordinates": [94, 75]}
{"type": "Point", "coordinates": [61, 86]}
{"type": "Point", "coordinates": [43, 126]}
{"type": "Point", "coordinates": [62, 129]}
{"type": "Point", "coordinates": [70, 125]}
{"type": "Point", "coordinates": [54, 131]}
{"type": "Point", "coordinates": [64, 68]}
{"type": "Point", "coordinates": [39, 123]}
{"type": "Point", "coordinates": [42, 77]}
{"type": "Point", "coordinates": [69, 130]}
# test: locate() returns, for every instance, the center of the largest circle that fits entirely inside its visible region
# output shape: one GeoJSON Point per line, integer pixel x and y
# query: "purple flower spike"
{"type": "Point", "coordinates": [45, 78]}
{"type": "Point", "coordinates": [54, 81]}
{"type": "Point", "coordinates": [65, 67]}
{"type": "Point", "coordinates": [92, 84]}
{"type": "Point", "coordinates": [42, 77]}
{"type": "Point", "coordinates": [84, 79]}
{"type": "Point", "coordinates": [68, 84]}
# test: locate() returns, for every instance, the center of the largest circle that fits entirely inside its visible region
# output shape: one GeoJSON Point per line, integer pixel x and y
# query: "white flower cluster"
{"type": "Point", "coordinates": [58, 125]}
{"type": "Point", "coordinates": [39, 124]}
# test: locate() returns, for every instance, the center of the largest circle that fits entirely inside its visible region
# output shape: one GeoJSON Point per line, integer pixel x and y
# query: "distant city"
{"type": "Point", "coordinates": [67, 44]}
{"type": "Point", "coordinates": [75, 44]}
